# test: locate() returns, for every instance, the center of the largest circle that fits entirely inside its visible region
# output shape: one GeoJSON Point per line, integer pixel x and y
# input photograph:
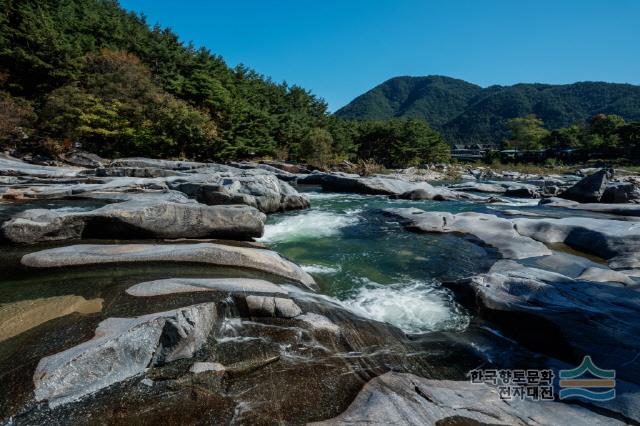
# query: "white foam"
{"type": "Point", "coordinates": [320, 269]}
{"type": "Point", "coordinates": [414, 307]}
{"type": "Point", "coordinates": [74, 209]}
{"type": "Point", "coordinates": [325, 195]}
{"type": "Point", "coordinates": [517, 202]}
{"type": "Point", "coordinates": [309, 225]}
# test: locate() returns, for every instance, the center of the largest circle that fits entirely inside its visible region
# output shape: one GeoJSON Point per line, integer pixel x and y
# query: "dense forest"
{"type": "Point", "coordinates": [466, 113]}
{"type": "Point", "coordinates": [88, 73]}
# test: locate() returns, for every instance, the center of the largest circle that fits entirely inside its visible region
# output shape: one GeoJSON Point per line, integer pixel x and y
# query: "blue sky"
{"type": "Point", "coordinates": [340, 49]}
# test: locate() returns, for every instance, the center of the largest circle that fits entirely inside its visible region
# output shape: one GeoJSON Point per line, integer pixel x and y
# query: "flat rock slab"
{"type": "Point", "coordinates": [189, 285]}
{"type": "Point", "coordinates": [381, 185]}
{"type": "Point", "coordinates": [137, 219]}
{"type": "Point", "coordinates": [85, 190]}
{"type": "Point", "coordinates": [491, 230]}
{"type": "Point", "coordinates": [492, 188]}
{"type": "Point", "coordinates": [18, 317]}
{"type": "Point", "coordinates": [407, 399]}
{"type": "Point", "coordinates": [617, 209]}
{"type": "Point", "coordinates": [603, 275]}
{"type": "Point", "coordinates": [122, 348]}
{"type": "Point", "coordinates": [615, 240]}
{"type": "Point", "coordinates": [14, 167]}
{"type": "Point", "coordinates": [208, 253]}
{"type": "Point", "coordinates": [142, 162]}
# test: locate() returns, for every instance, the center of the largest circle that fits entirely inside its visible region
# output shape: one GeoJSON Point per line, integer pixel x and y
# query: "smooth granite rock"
{"type": "Point", "coordinates": [571, 317]}
{"type": "Point", "coordinates": [13, 167]}
{"type": "Point", "coordinates": [207, 253]}
{"type": "Point", "coordinates": [605, 275]}
{"type": "Point", "coordinates": [141, 162]}
{"type": "Point", "coordinates": [492, 188]}
{"type": "Point", "coordinates": [272, 307]}
{"type": "Point", "coordinates": [188, 285]}
{"type": "Point", "coordinates": [258, 189]}
{"type": "Point", "coordinates": [614, 240]}
{"type": "Point", "coordinates": [122, 348]}
{"type": "Point", "coordinates": [137, 219]}
{"type": "Point", "coordinates": [609, 208]}
{"type": "Point", "coordinates": [406, 399]}
{"type": "Point", "coordinates": [491, 230]}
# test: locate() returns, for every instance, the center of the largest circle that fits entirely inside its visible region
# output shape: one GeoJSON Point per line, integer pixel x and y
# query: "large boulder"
{"type": "Point", "coordinates": [590, 189]}
{"type": "Point", "coordinates": [122, 348]}
{"type": "Point", "coordinates": [491, 230]}
{"type": "Point", "coordinates": [206, 253]}
{"type": "Point", "coordinates": [522, 191]}
{"type": "Point", "coordinates": [406, 399]}
{"type": "Point", "coordinates": [621, 192]}
{"type": "Point", "coordinates": [137, 219]}
{"type": "Point", "coordinates": [560, 316]}
{"type": "Point", "coordinates": [259, 189]}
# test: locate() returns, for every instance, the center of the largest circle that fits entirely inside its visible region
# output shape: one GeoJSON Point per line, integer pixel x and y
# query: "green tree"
{"type": "Point", "coordinates": [16, 120]}
{"type": "Point", "coordinates": [315, 148]}
{"type": "Point", "coordinates": [564, 138]}
{"type": "Point", "coordinates": [526, 132]}
{"type": "Point", "coordinates": [401, 143]}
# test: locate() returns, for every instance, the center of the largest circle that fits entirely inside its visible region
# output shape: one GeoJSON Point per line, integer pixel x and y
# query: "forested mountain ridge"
{"type": "Point", "coordinates": [466, 113]}
{"type": "Point", "coordinates": [89, 73]}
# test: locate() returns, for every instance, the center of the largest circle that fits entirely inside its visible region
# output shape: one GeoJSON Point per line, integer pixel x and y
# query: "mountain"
{"type": "Point", "coordinates": [467, 113]}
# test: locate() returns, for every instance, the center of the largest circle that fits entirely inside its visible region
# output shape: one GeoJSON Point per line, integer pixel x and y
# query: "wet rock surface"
{"type": "Point", "coordinates": [191, 332]}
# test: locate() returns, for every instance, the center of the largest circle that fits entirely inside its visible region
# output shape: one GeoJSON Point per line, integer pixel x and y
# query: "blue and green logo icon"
{"type": "Point", "coordinates": [588, 381]}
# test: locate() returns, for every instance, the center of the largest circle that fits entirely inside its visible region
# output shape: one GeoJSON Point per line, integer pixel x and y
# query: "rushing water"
{"type": "Point", "coordinates": [375, 267]}
{"type": "Point", "coordinates": [356, 253]}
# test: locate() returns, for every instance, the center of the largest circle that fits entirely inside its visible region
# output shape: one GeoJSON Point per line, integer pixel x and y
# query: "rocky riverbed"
{"type": "Point", "coordinates": [169, 292]}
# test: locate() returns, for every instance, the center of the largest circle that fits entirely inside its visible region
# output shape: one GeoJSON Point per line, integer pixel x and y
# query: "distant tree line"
{"type": "Point", "coordinates": [602, 136]}
{"type": "Point", "coordinates": [88, 72]}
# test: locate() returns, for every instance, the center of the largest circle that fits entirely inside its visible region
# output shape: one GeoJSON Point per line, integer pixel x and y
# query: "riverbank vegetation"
{"type": "Point", "coordinates": [86, 73]}
{"type": "Point", "coordinates": [601, 137]}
